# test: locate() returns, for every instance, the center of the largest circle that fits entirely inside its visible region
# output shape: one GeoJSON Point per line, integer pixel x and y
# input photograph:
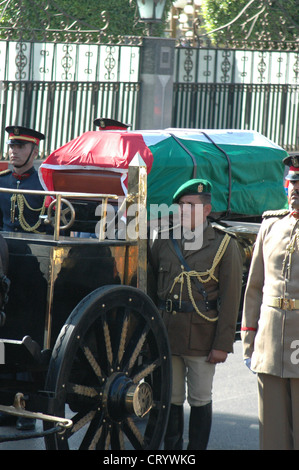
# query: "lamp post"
{"type": "Point", "coordinates": [151, 11]}
{"type": "Point", "coordinates": [156, 71]}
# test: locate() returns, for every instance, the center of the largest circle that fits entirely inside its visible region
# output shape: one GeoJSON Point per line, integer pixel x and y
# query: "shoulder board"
{"type": "Point", "coordinates": [5, 172]}
{"type": "Point", "coordinates": [223, 230]}
{"type": "Point", "coordinates": [279, 213]}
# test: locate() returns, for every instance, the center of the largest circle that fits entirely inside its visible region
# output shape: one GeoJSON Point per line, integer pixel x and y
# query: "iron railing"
{"type": "Point", "coordinates": [64, 110]}
{"type": "Point", "coordinates": [240, 89]}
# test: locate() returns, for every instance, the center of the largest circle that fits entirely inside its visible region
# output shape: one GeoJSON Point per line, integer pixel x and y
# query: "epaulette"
{"type": "Point", "coordinates": [279, 213]}
{"type": "Point", "coordinates": [5, 172]}
{"type": "Point", "coordinates": [223, 230]}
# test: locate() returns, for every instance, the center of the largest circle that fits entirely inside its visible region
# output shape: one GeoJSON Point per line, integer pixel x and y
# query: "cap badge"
{"type": "Point", "coordinates": [16, 131]}
{"type": "Point", "coordinates": [200, 188]}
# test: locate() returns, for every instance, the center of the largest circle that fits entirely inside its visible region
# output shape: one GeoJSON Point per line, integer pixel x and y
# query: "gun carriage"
{"type": "Point", "coordinates": [82, 330]}
{"type": "Point", "coordinates": [78, 319]}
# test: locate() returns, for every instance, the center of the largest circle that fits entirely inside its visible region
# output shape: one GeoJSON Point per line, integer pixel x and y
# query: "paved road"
{"type": "Point", "coordinates": [235, 423]}
{"type": "Point", "coordinates": [235, 410]}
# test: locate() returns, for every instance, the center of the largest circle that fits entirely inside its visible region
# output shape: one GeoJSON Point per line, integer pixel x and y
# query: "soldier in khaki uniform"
{"type": "Point", "coordinates": [199, 308]}
{"type": "Point", "coordinates": [270, 325]}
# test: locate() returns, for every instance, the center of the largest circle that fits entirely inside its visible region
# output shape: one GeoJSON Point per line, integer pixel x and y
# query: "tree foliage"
{"type": "Point", "coordinates": [255, 20]}
{"type": "Point", "coordinates": [31, 19]}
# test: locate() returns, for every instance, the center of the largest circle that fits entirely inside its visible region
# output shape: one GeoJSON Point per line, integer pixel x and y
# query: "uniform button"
{"type": "Point", "coordinates": [175, 296]}
{"type": "Point", "coordinates": [173, 312]}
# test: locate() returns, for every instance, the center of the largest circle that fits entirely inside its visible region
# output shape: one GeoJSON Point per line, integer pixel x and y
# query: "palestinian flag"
{"type": "Point", "coordinates": [244, 167]}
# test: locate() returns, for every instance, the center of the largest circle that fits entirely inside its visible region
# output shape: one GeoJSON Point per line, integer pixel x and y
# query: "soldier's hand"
{"type": "Point", "coordinates": [216, 356]}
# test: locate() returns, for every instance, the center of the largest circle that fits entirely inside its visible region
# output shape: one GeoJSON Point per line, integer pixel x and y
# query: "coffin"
{"type": "Point", "coordinates": [244, 167]}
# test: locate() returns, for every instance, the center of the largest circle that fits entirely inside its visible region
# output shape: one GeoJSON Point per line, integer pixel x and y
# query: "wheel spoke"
{"type": "Point", "coordinates": [123, 337]}
{"type": "Point", "coordinates": [80, 421]}
{"type": "Point", "coordinates": [133, 434]}
{"type": "Point", "coordinates": [92, 361]}
{"type": "Point", "coordinates": [108, 344]}
{"type": "Point", "coordinates": [117, 438]}
{"type": "Point", "coordinates": [94, 432]}
{"type": "Point", "coordinates": [138, 343]}
{"type": "Point", "coordinates": [144, 372]}
{"type": "Point", "coordinates": [89, 392]}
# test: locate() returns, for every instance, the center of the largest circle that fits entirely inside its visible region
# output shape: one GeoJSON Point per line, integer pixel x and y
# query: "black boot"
{"type": "Point", "coordinates": [173, 439]}
{"type": "Point", "coordinates": [200, 426]}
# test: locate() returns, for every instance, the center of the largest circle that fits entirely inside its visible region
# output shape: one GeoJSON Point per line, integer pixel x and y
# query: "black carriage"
{"type": "Point", "coordinates": [79, 321]}
{"type": "Point", "coordinates": [83, 346]}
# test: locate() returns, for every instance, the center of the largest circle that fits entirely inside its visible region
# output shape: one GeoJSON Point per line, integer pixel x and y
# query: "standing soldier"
{"type": "Point", "coordinates": [21, 213]}
{"type": "Point", "coordinates": [270, 329]}
{"type": "Point", "coordinates": [198, 292]}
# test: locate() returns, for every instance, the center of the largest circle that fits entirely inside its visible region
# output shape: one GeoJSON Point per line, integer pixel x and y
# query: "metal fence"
{"type": "Point", "coordinates": [64, 110]}
{"type": "Point", "coordinates": [241, 89]}
{"type": "Point", "coordinates": [59, 89]}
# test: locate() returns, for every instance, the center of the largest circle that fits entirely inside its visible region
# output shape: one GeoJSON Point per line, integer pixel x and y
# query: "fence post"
{"type": "Point", "coordinates": [156, 76]}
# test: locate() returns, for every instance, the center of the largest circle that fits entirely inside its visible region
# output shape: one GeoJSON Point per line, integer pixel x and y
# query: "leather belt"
{"type": "Point", "coordinates": [282, 302]}
{"type": "Point", "coordinates": [185, 306]}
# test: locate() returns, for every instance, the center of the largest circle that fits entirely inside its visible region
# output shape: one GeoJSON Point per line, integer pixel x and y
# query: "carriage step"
{"type": "Point", "coordinates": [16, 353]}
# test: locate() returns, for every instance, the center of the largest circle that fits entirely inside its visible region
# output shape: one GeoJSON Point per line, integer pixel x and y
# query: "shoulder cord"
{"type": "Point", "coordinates": [21, 201]}
{"type": "Point", "coordinates": [209, 274]}
{"type": "Point", "coordinates": [291, 247]}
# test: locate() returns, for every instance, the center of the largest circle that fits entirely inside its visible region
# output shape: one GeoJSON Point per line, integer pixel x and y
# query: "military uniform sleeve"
{"type": "Point", "coordinates": [230, 283]}
{"type": "Point", "coordinates": [253, 297]}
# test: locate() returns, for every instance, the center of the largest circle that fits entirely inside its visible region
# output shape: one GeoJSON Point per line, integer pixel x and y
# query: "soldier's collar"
{"type": "Point", "coordinates": [23, 176]}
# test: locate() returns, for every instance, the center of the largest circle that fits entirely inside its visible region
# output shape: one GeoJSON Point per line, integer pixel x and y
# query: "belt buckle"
{"type": "Point", "coordinates": [287, 304]}
{"type": "Point", "coordinates": [168, 305]}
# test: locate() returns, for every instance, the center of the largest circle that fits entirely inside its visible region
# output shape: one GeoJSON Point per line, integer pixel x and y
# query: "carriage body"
{"type": "Point", "coordinates": [49, 278]}
{"type": "Point", "coordinates": [82, 340]}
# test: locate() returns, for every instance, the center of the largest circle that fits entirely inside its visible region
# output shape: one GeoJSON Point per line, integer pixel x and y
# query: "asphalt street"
{"type": "Point", "coordinates": [235, 407]}
{"type": "Point", "coordinates": [235, 422]}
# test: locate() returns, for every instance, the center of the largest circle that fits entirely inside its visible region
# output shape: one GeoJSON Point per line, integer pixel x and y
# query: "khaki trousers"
{"type": "Point", "coordinates": [198, 374]}
{"type": "Point", "coordinates": [278, 412]}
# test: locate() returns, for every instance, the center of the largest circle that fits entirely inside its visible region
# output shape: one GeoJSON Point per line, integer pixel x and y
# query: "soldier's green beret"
{"type": "Point", "coordinates": [192, 187]}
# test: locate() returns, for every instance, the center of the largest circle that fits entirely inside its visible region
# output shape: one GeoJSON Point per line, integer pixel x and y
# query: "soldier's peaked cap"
{"type": "Point", "coordinates": [106, 124]}
{"type": "Point", "coordinates": [23, 135]}
{"type": "Point", "coordinates": [292, 161]}
{"type": "Point", "coordinates": [192, 187]}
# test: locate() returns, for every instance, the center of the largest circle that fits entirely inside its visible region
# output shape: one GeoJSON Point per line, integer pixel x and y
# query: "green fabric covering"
{"type": "Point", "coordinates": [256, 175]}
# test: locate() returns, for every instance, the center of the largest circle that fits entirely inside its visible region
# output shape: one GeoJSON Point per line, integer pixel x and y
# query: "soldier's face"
{"type": "Point", "coordinates": [294, 194]}
{"type": "Point", "coordinates": [18, 153]}
{"type": "Point", "coordinates": [193, 212]}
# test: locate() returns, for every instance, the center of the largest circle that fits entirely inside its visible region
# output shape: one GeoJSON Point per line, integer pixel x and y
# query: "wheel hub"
{"type": "Point", "coordinates": [122, 397]}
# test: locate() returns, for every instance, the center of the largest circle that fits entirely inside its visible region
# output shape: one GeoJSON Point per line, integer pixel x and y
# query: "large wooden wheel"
{"type": "Point", "coordinates": [110, 372]}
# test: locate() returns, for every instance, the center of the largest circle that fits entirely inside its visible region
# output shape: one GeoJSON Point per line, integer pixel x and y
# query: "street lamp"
{"type": "Point", "coordinates": [151, 11]}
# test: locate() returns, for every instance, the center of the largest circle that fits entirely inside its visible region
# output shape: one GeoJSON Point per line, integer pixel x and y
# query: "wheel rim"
{"type": "Point", "coordinates": [110, 372]}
